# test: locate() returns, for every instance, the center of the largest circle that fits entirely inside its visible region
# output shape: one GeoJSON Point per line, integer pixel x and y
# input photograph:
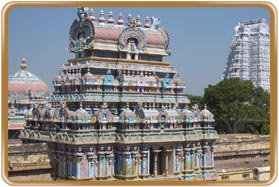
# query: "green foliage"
{"type": "Point", "coordinates": [238, 106]}
{"type": "Point", "coordinates": [195, 99]}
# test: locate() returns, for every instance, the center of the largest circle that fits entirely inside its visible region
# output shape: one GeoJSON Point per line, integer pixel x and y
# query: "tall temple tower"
{"type": "Point", "coordinates": [249, 55]}
{"type": "Point", "coordinates": [118, 111]}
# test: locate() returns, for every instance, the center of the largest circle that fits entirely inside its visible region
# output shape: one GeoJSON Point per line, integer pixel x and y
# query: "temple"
{"type": "Point", "coordinates": [25, 90]}
{"type": "Point", "coordinates": [249, 54]}
{"type": "Point", "coordinates": [118, 111]}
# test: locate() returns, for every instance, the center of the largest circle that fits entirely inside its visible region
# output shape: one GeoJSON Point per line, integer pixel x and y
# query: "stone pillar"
{"type": "Point", "coordinates": [156, 162]}
{"type": "Point", "coordinates": [119, 163]}
{"type": "Point", "coordinates": [144, 163]}
{"type": "Point", "coordinates": [189, 160]}
{"type": "Point", "coordinates": [55, 164]}
{"type": "Point", "coordinates": [186, 159]}
{"type": "Point", "coordinates": [60, 164]}
{"type": "Point", "coordinates": [140, 166]}
{"type": "Point", "coordinates": [198, 155]}
{"type": "Point", "coordinates": [167, 164]}
{"type": "Point", "coordinates": [204, 155]}
{"type": "Point", "coordinates": [167, 151]}
{"type": "Point", "coordinates": [90, 164]}
{"type": "Point", "coordinates": [97, 170]}
{"type": "Point", "coordinates": [65, 168]}
{"type": "Point", "coordinates": [102, 165]}
{"type": "Point", "coordinates": [177, 160]}
{"type": "Point", "coordinates": [212, 155]}
{"type": "Point", "coordinates": [127, 157]}
{"type": "Point", "coordinates": [70, 164]}
{"type": "Point", "coordinates": [193, 158]}
{"type": "Point", "coordinates": [111, 165]}
{"type": "Point", "coordinates": [122, 164]}
{"type": "Point", "coordinates": [94, 166]}
{"type": "Point", "coordinates": [134, 164]}
{"type": "Point", "coordinates": [78, 157]}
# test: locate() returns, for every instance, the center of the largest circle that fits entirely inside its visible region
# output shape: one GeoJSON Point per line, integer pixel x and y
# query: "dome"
{"type": "Point", "coordinates": [23, 82]}
{"type": "Point", "coordinates": [88, 77]}
{"type": "Point", "coordinates": [186, 113]}
{"type": "Point", "coordinates": [81, 115]}
{"type": "Point", "coordinates": [58, 79]}
{"type": "Point", "coordinates": [127, 115]}
{"type": "Point", "coordinates": [206, 114]}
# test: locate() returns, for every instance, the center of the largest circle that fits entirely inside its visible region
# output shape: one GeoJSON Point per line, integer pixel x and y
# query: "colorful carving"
{"type": "Point", "coordinates": [89, 122]}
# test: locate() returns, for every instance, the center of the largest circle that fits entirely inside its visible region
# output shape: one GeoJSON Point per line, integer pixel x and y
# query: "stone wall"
{"type": "Point", "coordinates": [28, 162]}
{"type": "Point", "coordinates": [241, 145]}
{"type": "Point", "coordinates": [31, 161]}
{"type": "Point", "coordinates": [237, 155]}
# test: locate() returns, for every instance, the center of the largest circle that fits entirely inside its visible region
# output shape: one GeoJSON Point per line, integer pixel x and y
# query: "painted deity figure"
{"type": "Point", "coordinates": [35, 112]}
{"type": "Point", "coordinates": [82, 13]}
{"type": "Point", "coordinates": [108, 81]}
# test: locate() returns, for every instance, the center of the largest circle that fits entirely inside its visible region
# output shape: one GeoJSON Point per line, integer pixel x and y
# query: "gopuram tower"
{"type": "Point", "coordinates": [118, 111]}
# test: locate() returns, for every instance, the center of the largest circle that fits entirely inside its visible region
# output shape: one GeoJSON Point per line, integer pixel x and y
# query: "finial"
{"type": "Point", "coordinates": [101, 17]}
{"type": "Point", "coordinates": [80, 105]}
{"type": "Point", "coordinates": [91, 14]}
{"type": "Point", "coordinates": [88, 69]}
{"type": "Point", "coordinates": [127, 106]}
{"type": "Point", "coordinates": [147, 22]}
{"type": "Point", "coordinates": [110, 19]}
{"type": "Point", "coordinates": [23, 65]}
{"type": "Point", "coordinates": [120, 19]}
{"type": "Point", "coordinates": [205, 107]}
{"type": "Point", "coordinates": [138, 23]}
{"type": "Point", "coordinates": [108, 72]}
{"type": "Point", "coordinates": [129, 17]}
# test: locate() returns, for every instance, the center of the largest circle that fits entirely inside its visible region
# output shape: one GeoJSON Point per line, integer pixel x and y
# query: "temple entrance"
{"type": "Point", "coordinates": [161, 162]}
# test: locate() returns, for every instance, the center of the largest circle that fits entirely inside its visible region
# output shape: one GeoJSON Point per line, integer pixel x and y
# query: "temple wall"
{"type": "Point", "coordinates": [28, 162]}
{"type": "Point", "coordinates": [30, 175]}
{"type": "Point", "coordinates": [239, 145]}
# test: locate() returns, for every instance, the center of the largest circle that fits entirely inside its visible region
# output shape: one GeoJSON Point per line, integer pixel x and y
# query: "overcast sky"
{"type": "Point", "coordinates": [199, 39]}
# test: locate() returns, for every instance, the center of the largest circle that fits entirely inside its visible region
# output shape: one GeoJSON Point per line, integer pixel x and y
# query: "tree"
{"type": "Point", "coordinates": [238, 106]}
{"type": "Point", "coordinates": [195, 99]}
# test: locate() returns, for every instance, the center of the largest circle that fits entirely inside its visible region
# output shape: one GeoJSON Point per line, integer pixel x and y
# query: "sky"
{"type": "Point", "coordinates": [199, 38]}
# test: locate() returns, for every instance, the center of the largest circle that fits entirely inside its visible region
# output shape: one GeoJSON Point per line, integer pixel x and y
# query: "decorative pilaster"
{"type": "Point", "coordinates": [205, 147]}
{"type": "Point", "coordinates": [167, 151]}
{"type": "Point", "coordinates": [70, 164]}
{"type": "Point", "coordinates": [193, 158]}
{"type": "Point", "coordinates": [78, 157]}
{"type": "Point", "coordinates": [134, 164]}
{"type": "Point", "coordinates": [97, 170]}
{"type": "Point", "coordinates": [148, 160]}
{"type": "Point", "coordinates": [64, 164]}
{"type": "Point", "coordinates": [55, 164]}
{"type": "Point", "coordinates": [156, 162]}
{"type": "Point", "coordinates": [90, 163]}
{"type": "Point", "coordinates": [177, 160]}
{"type": "Point", "coordinates": [60, 164]}
{"type": "Point", "coordinates": [144, 164]}
{"type": "Point", "coordinates": [186, 159]}
{"type": "Point", "coordinates": [198, 157]}
{"type": "Point", "coordinates": [111, 165]}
